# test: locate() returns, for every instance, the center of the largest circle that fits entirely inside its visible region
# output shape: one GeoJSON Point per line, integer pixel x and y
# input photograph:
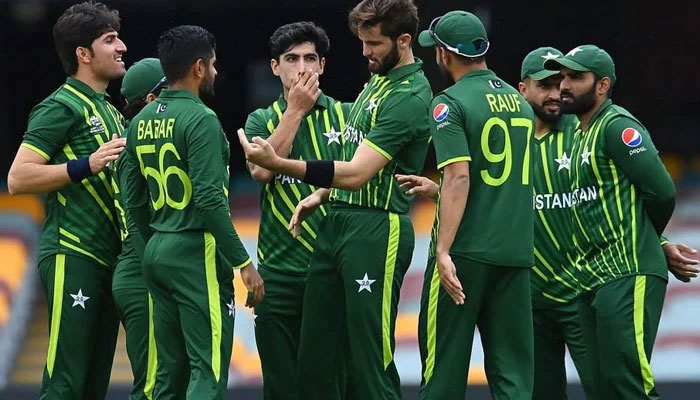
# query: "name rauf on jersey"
{"type": "Point", "coordinates": [353, 135]}
{"type": "Point", "coordinates": [548, 201]}
{"type": "Point", "coordinates": [286, 180]}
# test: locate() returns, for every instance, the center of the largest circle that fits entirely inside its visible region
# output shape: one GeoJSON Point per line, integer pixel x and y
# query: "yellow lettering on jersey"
{"type": "Point", "coordinates": [156, 125]}
{"type": "Point", "coordinates": [169, 129]}
{"type": "Point", "coordinates": [161, 128]}
{"type": "Point", "coordinates": [492, 102]}
{"type": "Point", "coordinates": [503, 102]}
{"type": "Point", "coordinates": [139, 131]}
{"type": "Point", "coordinates": [149, 129]}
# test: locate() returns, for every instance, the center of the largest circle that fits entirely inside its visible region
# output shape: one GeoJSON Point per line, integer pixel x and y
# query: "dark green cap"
{"type": "Point", "coordinates": [460, 32]}
{"type": "Point", "coordinates": [586, 58]}
{"type": "Point", "coordinates": [143, 77]}
{"type": "Point", "coordinates": [533, 64]}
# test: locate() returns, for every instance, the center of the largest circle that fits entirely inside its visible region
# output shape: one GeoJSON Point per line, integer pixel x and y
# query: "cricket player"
{"type": "Point", "coordinates": [71, 137]}
{"type": "Point", "coordinates": [365, 243]}
{"type": "Point", "coordinates": [302, 123]}
{"type": "Point", "coordinates": [177, 160]}
{"type": "Point", "coordinates": [141, 85]}
{"type": "Point", "coordinates": [482, 245]}
{"type": "Point", "coordinates": [624, 199]}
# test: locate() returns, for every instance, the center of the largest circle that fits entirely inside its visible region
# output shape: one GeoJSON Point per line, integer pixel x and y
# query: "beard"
{"type": "Point", "coordinates": [387, 63]}
{"type": "Point", "coordinates": [578, 105]}
{"type": "Point", "coordinates": [446, 76]}
{"type": "Point", "coordinates": [546, 115]}
{"type": "Point", "coordinates": [206, 89]}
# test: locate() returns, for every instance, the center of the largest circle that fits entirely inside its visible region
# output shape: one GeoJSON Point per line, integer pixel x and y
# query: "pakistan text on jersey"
{"type": "Point", "coordinates": [353, 135]}
{"type": "Point", "coordinates": [550, 201]}
{"type": "Point", "coordinates": [285, 180]}
{"type": "Point", "coordinates": [155, 128]}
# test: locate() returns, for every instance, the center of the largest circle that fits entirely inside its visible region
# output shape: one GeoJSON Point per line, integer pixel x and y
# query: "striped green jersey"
{"type": "Point", "coordinates": [625, 199]}
{"type": "Point", "coordinates": [318, 138]}
{"type": "Point", "coordinates": [81, 219]}
{"type": "Point", "coordinates": [553, 277]}
{"type": "Point", "coordinates": [391, 116]}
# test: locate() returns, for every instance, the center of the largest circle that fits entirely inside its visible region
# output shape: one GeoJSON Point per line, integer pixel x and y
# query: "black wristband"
{"type": "Point", "coordinates": [320, 173]}
{"type": "Point", "coordinates": [79, 169]}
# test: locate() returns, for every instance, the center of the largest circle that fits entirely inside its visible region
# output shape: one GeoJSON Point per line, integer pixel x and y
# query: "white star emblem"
{"type": "Point", "coordinates": [333, 136]}
{"type": "Point", "coordinates": [365, 283]}
{"type": "Point", "coordinates": [79, 299]}
{"type": "Point", "coordinates": [231, 309]}
{"type": "Point", "coordinates": [550, 56]}
{"type": "Point", "coordinates": [564, 162]}
{"type": "Point", "coordinates": [372, 105]}
{"type": "Point", "coordinates": [586, 157]}
{"type": "Point", "coordinates": [574, 51]}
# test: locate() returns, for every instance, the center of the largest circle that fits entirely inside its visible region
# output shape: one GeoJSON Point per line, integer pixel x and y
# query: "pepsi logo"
{"type": "Point", "coordinates": [440, 112]}
{"type": "Point", "coordinates": [631, 137]}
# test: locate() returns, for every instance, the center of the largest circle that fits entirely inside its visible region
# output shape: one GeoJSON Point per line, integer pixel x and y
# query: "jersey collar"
{"type": "Point", "coordinates": [599, 111]}
{"type": "Point", "coordinates": [85, 89]}
{"type": "Point", "coordinates": [398, 73]}
{"type": "Point", "coordinates": [180, 93]}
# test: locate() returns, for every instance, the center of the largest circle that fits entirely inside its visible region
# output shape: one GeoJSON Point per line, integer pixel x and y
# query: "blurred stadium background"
{"type": "Point", "coordinates": [655, 51]}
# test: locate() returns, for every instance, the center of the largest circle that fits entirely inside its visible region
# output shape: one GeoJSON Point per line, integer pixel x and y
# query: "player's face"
{"type": "Point", "coordinates": [206, 88]}
{"type": "Point", "coordinates": [106, 57]}
{"type": "Point", "coordinates": [578, 91]}
{"type": "Point", "coordinates": [381, 51]}
{"type": "Point", "coordinates": [440, 53]}
{"type": "Point", "coordinates": [544, 97]}
{"type": "Point", "coordinates": [293, 62]}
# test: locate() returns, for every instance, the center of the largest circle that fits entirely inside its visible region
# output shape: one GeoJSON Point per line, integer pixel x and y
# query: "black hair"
{"type": "Point", "coordinates": [79, 26]}
{"type": "Point", "coordinates": [395, 16]}
{"type": "Point", "coordinates": [182, 46]}
{"type": "Point", "coordinates": [296, 33]}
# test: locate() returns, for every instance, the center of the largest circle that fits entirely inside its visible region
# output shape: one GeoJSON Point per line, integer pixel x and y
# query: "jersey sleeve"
{"type": "Point", "coordinates": [447, 132]}
{"type": "Point", "coordinates": [630, 147]}
{"type": "Point", "coordinates": [399, 119]}
{"type": "Point", "coordinates": [135, 192]}
{"type": "Point", "coordinates": [48, 129]}
{"type": "Point", "coordinates": [257, 125]}
{"type": "Point", "coordinates": [204, 141]}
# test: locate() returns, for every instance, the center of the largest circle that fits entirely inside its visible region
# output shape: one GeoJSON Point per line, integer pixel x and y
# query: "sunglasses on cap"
{"type": "Point", "coordinates": [483, 46]}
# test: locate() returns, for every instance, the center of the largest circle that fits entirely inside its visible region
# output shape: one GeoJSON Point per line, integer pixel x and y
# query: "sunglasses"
{"type": "Point", "coordinates": [482, 48]}
{"type": "Point", "coordinates": [158, 86]}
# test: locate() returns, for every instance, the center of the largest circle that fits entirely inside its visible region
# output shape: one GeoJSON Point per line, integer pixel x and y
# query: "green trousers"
{"type": "Point", "coordinates": [498, 302]}
{"type": "Point", "coordinates": [557, 328]}
{"type": "Point", "coordinates": [83, 328]}
{"type": "Point", "coordinates": [135, 307]}
{"type": "Point", "coordinates": [277, 330]}
{"type": "Point", "coordinates": [352, 292]}
{"type": "Point", "coordinates": [193, 314]}
{"type": "Point", "coordinates": [620, 320]}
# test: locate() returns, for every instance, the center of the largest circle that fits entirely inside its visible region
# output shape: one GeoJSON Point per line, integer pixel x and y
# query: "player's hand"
{"type": "Point", "coordinates": [448, 278]}
{"type": "Point", "coordinates": [260, 152]}
{"type": "Point", "coordinates": [678, 263]}
{"type": "Point", "coordinates": [304, 92]}
{"type": "Point", "coordinates": [254, 283]}
{"type": "Point", "coordinates": [304, 208]}
{"type": "Point", "coordinates": [107, 153]}
{"type": "Point", "coordinates": [419, 185]}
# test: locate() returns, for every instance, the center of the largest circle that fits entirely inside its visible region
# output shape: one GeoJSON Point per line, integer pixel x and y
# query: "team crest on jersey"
{"type": "Point", "coordinates": [96, 126]}
{"type": "Point", "coordinates": [440, 112]}
{"type": "Point", "coordinates": [631, 137]}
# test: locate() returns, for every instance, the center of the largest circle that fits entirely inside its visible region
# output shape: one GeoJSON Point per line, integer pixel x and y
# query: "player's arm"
{"type": "Point", "coordinates": [642, 165]}
{"type": "Point", "coordinates": [678, 260]}
{"type": "Point", "coordinates": [305, 207]}
{"type": "Point", "coordinates": [419, 185]}
{"type": "Point", "coordinates": [393, 129]}
{"type": "Point", "coordinates": [204, 142]}
{"type": "Point", "coordinates": [301, 98]}
{"type": "Point", "coordinates": [47, 132]}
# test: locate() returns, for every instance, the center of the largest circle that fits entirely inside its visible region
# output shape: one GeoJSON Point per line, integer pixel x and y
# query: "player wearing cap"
{"type": "Point", "coordinates": [71, 137]}
{"type": "Point", "coordinates": [482, 130]}
{"type": "Point", "coordinates": [303, 123]}
{"type": "Point", "coordinates": [624, 198]}
{"type": "Point", "coordinates": [553, 277]}
{"type": "Point", "coordinates": [141, 85]}
{"type": "Point", "coordinates": [365, 243]}
{"type": "Point", "coordinates": [177, 166]}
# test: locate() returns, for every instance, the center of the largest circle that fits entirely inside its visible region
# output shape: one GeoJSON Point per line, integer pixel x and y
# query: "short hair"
{"type": "Point", "coordinates": [296, 33]}
{"type": "Point", "coordinates": [182, 46]}
{"type": "Point", "coordinates": [395, 16]}
{"type": "Point", "coordinates": [79, 26]}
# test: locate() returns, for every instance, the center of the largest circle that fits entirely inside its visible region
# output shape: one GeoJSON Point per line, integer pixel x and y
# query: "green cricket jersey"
{"type": "Point", "coordinates": [81, 220]}
{"type": "Point", "coordinates": [318, 138]}
{"type": "Point", "coordinates": [553, 277]}
{"type": "Point", "coordinates": [177, 159]}
{"type": "Point", "coordinates": [626, 199]}
{"type": "Point", "coordinates": [483, 120]}
{"type": "Point", "coordinates": [391, 116]}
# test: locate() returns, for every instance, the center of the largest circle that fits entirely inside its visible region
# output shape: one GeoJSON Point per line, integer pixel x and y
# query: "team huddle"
{"type": "Point", "coordinates": [550, 213]}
